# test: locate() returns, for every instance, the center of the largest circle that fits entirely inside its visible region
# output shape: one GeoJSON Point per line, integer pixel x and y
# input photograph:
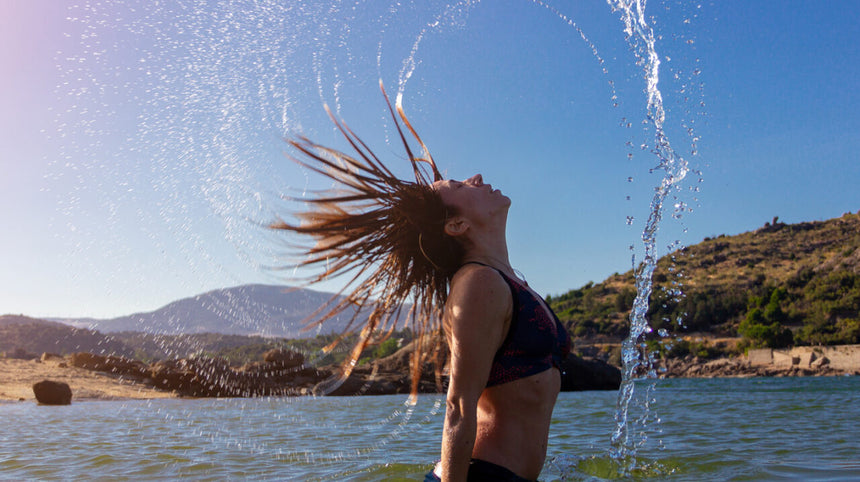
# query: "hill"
{"type": "Point", "coordinates": [265, 310]}
{"type": "Point", "coordinates": [777, 286]}
{"type": "Point", "coordinates": [23, 337]}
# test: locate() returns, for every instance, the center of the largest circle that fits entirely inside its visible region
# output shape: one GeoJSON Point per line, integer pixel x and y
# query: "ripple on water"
{"type": "Point", "coordinates": [712, 430]}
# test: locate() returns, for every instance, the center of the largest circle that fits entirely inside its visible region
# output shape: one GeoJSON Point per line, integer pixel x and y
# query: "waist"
{"type": "Point", "coordinates": [514, 420]}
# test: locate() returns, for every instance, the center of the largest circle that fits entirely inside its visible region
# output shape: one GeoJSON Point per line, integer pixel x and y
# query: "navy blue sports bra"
{"type": "Point", "coordinates": [535, 341]}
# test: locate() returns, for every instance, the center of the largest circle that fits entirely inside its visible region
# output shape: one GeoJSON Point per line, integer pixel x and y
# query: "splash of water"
{"type": "Point", "coordinates": [638, 364]}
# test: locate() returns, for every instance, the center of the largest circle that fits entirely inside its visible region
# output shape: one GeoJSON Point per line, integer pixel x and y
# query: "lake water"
{"type": "Point", "coordinates": [712, 429]}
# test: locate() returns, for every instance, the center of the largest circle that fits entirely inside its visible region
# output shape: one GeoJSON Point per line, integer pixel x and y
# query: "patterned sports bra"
{"type": "Point", "coordinates": [536, 340]}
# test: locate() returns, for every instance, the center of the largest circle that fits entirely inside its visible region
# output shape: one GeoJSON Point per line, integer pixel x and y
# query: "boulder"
{"type": "Point", "coordinates": [579, 374]}
{"type": "Point", "coordinates": [359, 385]}
{"type": "Point", "coordinates": [51, 357]}
{"type": "Point", "coordinates": [88, 361]}
{"type": "Point", "coordinates": [213, 377]}
{"type": "Point", "coordinates": [111, 364]}
{"type": "Point", "coordinates": [170, 375]}
{"type": "Point", "coordinates": [52, 393]}
{"type": "Point", "coordinates": [198, 377]}
{"type": "Point", "coordinates": [819, 362]}
{"type": "Point", "coordinates": [284, 358]}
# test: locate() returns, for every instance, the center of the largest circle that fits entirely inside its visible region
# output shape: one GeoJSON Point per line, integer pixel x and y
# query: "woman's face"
{"type": "Point", "coordinates": [472, 198]}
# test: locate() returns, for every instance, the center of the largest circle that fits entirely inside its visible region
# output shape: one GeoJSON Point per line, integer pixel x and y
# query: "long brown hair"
{"type": "Point", "coordinates": [385, 233]}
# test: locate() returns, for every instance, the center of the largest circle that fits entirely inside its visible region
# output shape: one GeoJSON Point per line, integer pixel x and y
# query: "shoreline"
{"type": "Point", "coordinates": [18, 376]}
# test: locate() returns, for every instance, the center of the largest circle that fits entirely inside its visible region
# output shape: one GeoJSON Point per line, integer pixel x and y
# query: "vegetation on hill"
{"type": "Point", "coordinates": [777, 286]}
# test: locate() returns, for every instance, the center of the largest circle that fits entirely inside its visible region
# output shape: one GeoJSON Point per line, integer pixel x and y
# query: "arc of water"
{"type": "Point", "coordinates": [641, 37]}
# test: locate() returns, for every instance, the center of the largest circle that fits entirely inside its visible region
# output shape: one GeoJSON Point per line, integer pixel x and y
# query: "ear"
{"type": "Point", "coordinates": [456, 226]}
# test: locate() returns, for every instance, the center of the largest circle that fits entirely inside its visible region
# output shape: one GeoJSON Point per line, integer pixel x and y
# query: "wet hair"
{"type": "Point", "coordinates": [385, 234]}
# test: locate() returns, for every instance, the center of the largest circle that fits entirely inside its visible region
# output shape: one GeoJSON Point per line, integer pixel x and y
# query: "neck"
{"type": "Point", "coordinates": [497, 257]}
{"type": "Point", "coordinates": [487, 244]}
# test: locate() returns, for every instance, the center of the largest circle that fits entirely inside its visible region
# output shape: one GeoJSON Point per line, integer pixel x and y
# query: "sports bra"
{"type": "Point", "coordinates": [535, 341]}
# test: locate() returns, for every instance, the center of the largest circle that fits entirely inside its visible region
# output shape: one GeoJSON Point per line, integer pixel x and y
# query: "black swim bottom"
{"type": "Point", "coordinates": [482, 471]}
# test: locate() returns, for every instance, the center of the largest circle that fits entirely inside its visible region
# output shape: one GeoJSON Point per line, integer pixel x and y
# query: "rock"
{"type": "Point", "coordinates": [580, 374]}
{"type": "Point", "coordinates": [718, 364]}
{"type": "Point", "coordinates": [88, 361]}
{"type": "Point", "coordinates": [212, 377]}
{"type": "Point", "coordinates": [51, 357]}
{"type": "Point", "coordinates": [52, 393]}
{"type": "Point", "coordinates": [284, 358]}
{"type": "Point", "coordinates": [169, 375]}
{"type": "Point", "coordinates": [111, 364]}
{"type": "Point", "coordinates": [819, 362]}
{"type": "Point", "coordinates": [358, 385]}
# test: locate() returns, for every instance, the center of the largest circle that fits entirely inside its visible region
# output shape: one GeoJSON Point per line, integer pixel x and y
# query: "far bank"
{"type": "Point", "coordinates": [701, 357]}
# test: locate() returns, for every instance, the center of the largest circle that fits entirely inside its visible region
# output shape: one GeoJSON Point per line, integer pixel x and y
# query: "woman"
{"type": "Point", "coordinates": [506, 346]}
{"type": "Point", "coordinates": [418, 239]}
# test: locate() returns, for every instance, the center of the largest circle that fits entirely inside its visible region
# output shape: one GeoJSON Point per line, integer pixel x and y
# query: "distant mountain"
{"type": "Point", "coordinates": [266, 310]}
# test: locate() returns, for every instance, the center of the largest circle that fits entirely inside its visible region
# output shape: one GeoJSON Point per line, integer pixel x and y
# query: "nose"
{"type": "Point", "coordinates": [475, 180]}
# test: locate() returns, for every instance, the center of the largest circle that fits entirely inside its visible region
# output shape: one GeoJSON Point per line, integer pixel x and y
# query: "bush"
{"type": "Point", "coordinates": [387, 347]}
{"type": "Point", "coordinates": [762, 325]}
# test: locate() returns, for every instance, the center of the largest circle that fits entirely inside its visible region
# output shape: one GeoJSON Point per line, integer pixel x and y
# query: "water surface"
{"type": "Point", "coordinates": [717, 429]}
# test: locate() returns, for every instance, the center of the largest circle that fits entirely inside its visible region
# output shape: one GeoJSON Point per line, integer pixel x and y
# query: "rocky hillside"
{"type": "Point", "coordinates": [779, 285]}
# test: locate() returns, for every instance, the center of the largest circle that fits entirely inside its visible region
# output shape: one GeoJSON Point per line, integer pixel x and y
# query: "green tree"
{"type": "Point", "coordinates": [762, 325]}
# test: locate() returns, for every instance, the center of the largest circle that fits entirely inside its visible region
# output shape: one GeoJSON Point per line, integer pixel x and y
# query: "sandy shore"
{"type": "Point", "coordinates": [18, 376]}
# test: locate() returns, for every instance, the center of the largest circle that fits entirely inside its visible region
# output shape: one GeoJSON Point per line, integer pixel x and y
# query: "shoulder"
{"type": "Point", "coordinates": [478, 282]}
{"type": "Point", "coordinates": [479, 296]}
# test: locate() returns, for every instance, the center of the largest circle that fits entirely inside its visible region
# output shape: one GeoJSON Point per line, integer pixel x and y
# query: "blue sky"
{"type": "Point", "coordinates": [141, 145]}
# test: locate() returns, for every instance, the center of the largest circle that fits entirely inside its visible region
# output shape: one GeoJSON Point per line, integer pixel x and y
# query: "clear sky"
{"type": "Point", "coordinates": [141, 144]}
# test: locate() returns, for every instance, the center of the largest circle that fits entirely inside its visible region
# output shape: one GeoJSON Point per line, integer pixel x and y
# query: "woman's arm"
{"type": "Point", "coordinates": [477, 316]}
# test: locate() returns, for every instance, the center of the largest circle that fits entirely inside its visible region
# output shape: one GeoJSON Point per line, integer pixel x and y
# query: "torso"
{"type": "Point", "coordinates": [515, 409]}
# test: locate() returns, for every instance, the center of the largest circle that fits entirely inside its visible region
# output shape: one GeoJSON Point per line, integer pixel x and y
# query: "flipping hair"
{"type": "Point", "coordinates": [385, 233]}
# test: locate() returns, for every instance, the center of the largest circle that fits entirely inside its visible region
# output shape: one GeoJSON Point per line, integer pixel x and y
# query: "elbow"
{"type": "Point", "coordinates": [459, 410]}
{"type": "Point", "coordinates": [453, 410]}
